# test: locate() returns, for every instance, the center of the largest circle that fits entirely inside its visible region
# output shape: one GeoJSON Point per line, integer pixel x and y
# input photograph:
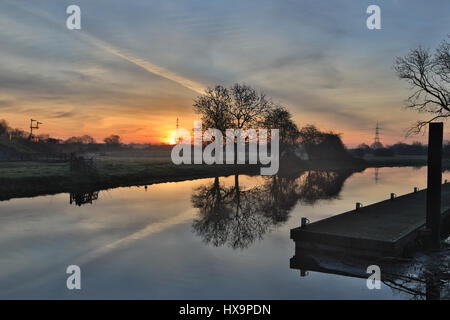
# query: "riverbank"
{"type": "Point", "coordinates": [402, 161]}
{"type": "Point", "coordinates": [28, 178]}
{"type": "Point", "coordinates": [31, 178]}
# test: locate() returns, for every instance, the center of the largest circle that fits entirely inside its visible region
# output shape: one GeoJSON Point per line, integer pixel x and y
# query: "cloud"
{"type": "Point", "coordinates": [62, 115]}
{"type": "Point", "coordinates": [121, 53]}
{"type": "Point", "coordinates": [139, 64]}
{"type": "Point", "coordinates": [150, 67]}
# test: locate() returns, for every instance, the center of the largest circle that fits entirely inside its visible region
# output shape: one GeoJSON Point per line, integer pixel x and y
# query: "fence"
{"type": "Point", "coordinates": [48, 157]}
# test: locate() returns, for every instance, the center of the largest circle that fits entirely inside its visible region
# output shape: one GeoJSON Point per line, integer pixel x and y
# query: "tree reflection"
{"type": "Point", "coordinates": [237, 216]}
{"type": "Point", "coordinates": [227, 215]}
{"type": "Point", "coordinates": [80, 197]}
{"type": "Point", "coordinates": [321, 185]}
{"type": "Point", "coordinates": [277, 197]}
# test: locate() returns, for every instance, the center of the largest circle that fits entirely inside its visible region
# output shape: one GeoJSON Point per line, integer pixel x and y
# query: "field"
{"type": "Point", "coordinates": [401, 161]}
{"type": "Point", "coordinates": [28, 178]}
{"type": "Point", "coordinates": [141, 167]}
{"type": "Point", "coordinates": [14, 146]}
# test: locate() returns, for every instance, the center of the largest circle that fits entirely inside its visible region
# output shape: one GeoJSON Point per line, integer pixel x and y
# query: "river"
{"type": "Point", "coordinates": [223, 238]}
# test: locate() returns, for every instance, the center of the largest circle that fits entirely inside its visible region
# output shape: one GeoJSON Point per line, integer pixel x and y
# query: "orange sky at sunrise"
{"type": "Point", "coordinates": [135, 77]}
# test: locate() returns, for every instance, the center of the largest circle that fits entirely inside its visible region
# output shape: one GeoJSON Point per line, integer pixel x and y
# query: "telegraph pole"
{"type": "Point", "coordinates": [32, 126]}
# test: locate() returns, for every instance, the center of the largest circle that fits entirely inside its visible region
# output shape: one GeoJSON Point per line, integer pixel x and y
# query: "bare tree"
{"type": "Point", "coordinates": [247, 106]}
{"type": "Point", "coordinates": [429, 76]}
{"type": "Point", "coordinates": [214, 107]}
{"type": "Point", "coordinates": [237, 107]}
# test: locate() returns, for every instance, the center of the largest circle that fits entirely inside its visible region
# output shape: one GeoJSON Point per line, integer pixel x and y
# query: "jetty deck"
{"type": "Point", "coordinates": [385, 228]}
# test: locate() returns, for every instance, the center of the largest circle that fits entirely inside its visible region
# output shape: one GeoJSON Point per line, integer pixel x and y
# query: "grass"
{"type": "Point", "coordinates": [402, 161]}
{"type": "Point", "coordinates": [29, 178]}
{"type": "Point", "coordinates": [141, 168]}
{"type": "Point", "coordinates": [29, 169]}
{"type": "Point", "coordinates": [15, 146]}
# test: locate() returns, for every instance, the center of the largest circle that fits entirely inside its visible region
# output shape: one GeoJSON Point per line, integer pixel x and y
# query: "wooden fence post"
{"type": "Point", "coordinates": [435, 137]}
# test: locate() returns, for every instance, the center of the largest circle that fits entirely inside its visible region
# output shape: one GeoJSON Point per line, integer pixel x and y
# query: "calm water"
{"type": "Point", "coordinates": [208, 238]}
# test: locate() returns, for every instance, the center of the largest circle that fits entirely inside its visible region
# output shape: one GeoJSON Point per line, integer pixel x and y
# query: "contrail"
{"type": "Point", "coordinates": [142, 63]}
{"type": "Point", "coordinates": [148, 66]}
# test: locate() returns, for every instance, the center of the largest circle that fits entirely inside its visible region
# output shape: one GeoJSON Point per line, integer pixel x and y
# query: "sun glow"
{"type": "Point", "coordinates": [172, 140]}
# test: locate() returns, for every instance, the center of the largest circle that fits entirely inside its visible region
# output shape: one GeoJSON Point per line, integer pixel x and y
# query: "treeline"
{"type": "Point", "coordinates": [236, 107]}
{"type": "Point", "coordinates": [242, 107]}
{"type": "Point", "coordinates": [321, 145]}
{"type": "Point", "coordinates": [18, 134]}
{"type": "Point", "coordinates": [400, 148]}
{"type": "Point", "coordinates": [44, 143]}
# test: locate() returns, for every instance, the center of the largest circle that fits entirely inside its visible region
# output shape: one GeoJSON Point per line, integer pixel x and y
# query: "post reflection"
{"type": "Point", "coordinates": [82, 197]}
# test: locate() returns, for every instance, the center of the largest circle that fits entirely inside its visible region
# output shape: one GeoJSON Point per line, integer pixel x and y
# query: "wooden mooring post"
{"type": "Point", "coordinates": [433, 220]}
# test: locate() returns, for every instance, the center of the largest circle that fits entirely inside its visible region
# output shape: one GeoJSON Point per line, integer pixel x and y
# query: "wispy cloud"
{"type": "Point", "coordinates": [148, 66]}
{"type": "Point", "coordinates": [119, 52]}
{"type": "Point", "coordinates": [135, 68]}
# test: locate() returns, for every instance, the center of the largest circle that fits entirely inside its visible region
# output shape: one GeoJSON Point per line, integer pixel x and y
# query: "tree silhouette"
{"type": "Point", "coordinates": [247, 106]}
{"type": "Point", "coordinates": [113, 140]}
{"type": "Point", "coordinates": [429, 76]}
{"type": "Point", "coordinates": [4, 128]}
{"type": "Point", "coordinates": [237, 107]}
{"type": "Point", "coordinates": [280, 118]}
{"type": "Point", "coordinates": [214, 108]}
{"type": "Point", "coordinates": [85, 139]}
{"type": "Point", "coordinates": [322, 145]}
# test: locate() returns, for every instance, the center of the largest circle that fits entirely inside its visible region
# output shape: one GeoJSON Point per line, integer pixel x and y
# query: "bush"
{"type": "Point", "coordinates": [383, 152]}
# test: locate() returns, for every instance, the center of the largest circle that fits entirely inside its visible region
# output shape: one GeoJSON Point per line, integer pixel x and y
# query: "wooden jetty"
{"type": "Point", "coordinates": [386, 228]}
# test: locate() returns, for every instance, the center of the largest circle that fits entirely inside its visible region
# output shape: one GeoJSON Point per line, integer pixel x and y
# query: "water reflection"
{"type": "Point", "coordinates": [145, 241]}
{"type": "Point", "coordinates": [376, 175]}
{"type": "Point", "coordinates": [82, 197]}
{"type": "Point", "coordinates": [228, 214]}
{"type": "Point", "coordinates": [424, 276]}
{"type": "Point", "coordinates": [237, 216]}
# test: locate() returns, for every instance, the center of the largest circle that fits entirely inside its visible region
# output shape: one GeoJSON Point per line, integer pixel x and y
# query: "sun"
{"type": "Point", "coordinates": [172, 138]}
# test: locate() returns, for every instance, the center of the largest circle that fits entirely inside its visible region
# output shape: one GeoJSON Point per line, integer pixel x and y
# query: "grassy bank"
{"type": "Point", "coordinates": [402, 161]}
{"type": "Point", "coordinates": [28, 178]}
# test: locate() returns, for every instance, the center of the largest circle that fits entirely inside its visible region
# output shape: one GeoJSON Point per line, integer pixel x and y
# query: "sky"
{"type": "Point", "coordinates": [136, 66]}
